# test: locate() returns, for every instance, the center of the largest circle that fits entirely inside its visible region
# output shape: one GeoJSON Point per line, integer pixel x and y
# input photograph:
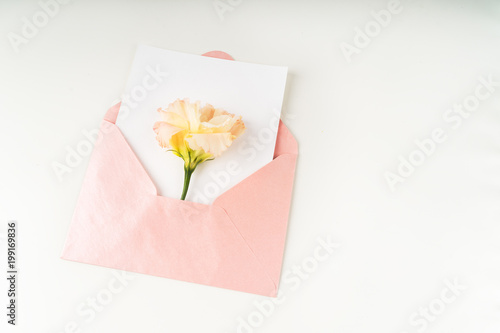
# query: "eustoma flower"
{"type": "Point", "coordinates": [196, 134]}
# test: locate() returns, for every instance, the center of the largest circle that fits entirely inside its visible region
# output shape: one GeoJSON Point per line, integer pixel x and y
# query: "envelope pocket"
{"type": "Point", "coordinates": [120, 222]}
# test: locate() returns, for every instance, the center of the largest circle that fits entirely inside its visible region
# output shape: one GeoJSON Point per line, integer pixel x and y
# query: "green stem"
{"type": "Point", "coordinates": [187, 178]}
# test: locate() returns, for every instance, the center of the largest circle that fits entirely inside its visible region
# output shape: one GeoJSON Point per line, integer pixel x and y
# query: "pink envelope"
{"type": "Point", "coordinates": [236, 243]}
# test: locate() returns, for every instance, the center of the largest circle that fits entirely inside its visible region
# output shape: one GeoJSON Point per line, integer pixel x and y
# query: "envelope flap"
{"type": "Point", "coordinates": [112, 113]}
{"type": "Point", "coordinates": [285, 142]}
{"type": "Point", "coordinates": [259, 207]}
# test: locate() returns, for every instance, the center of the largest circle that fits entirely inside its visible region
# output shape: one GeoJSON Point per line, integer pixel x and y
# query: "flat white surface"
{"type": "Point", "coordinates": [159, 77]}
{"type": "Point", "coordinates": [352, 120]}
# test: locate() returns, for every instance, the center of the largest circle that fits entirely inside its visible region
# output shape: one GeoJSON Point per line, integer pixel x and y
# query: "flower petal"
{"type": "Point", "coordinates": [213, 143]}
{"type": "Point", "coordinates": [238, 128]}
{"type": "Point", "coordinates": [178, 144]}
{"type": "Point", "coordinates": [219, 112]}
{"type": "Point", "coordinates": [193, 115]}
{"type": "Point", "coordinates": [220, 120]}
{"type": "Point", "coordinates": [178, 107]}
{"type": "Point", "coordinates": [164, 133]}
{"type": "Point", "coordinates": [174, 119]}
{"type": "Point", "coordinates": [207, 113]}
{"type": "Point", "coordinates": [187, 111]}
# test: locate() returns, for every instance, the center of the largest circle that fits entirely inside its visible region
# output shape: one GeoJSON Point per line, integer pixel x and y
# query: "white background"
{"type": "Point", "coordinates": [352, 120]}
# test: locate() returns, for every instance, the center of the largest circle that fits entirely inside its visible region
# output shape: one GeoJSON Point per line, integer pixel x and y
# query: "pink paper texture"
{"type": "Point", "coordinates": [236, 243]}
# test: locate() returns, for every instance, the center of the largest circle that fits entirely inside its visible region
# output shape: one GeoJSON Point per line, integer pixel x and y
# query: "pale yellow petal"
{"type": "Point", "coordinates": [220, 112]}
{"type": "Point", "coordinates": [178, 107]}
{"type": "Point", "coordinates": [178, 143]}
{"type": "Point", "coordinates": [214, 143]}
{"type": "Point", "coordinates": [182, 114]}
{"type": "Point", "coordinates": [207, 113]}
{"type": "Point", "coordinates": [220, 120]}
{"type": "Point", "coordinates": [219, 124]}
{"type": "Point", "coordinates": [164, 133]}
{"type": "Point", "coordinates": [192, 111]}
{"type": "Point", "coordinates": [238, 128]}
{"type": "Point", "coordinates": [175, 120]}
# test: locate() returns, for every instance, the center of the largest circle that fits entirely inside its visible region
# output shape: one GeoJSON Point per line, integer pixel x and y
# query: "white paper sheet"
{"type": "Point", "coordinates": [158, 77]}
